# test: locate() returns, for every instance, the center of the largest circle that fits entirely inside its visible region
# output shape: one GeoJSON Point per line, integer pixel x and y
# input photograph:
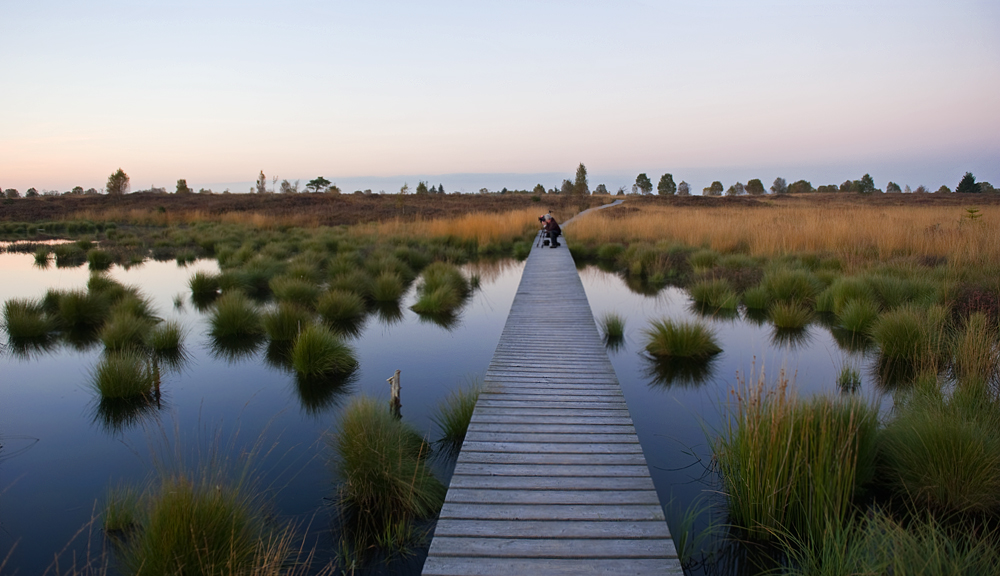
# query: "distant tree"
{"type": "Point", "coordinates": [943, 190]}
{"type": "Point", "coordinates": [76, 190]}
{"type": "Point", "coordinates": [683, 189]}
{"type": "Point", "coordinates": [333, 189]}
{"type": "Point", "coordinates": [829, 189]}
{"type": "Point", "coordinates": [12, 193]}
{"type": "Point", "coordinates": [182, 187]}
{"type": "Point", "coordinates": [580, 184]}
{"type": "Point", "coordinates": [404, 189]}
{"type": "Point", "coordinates": [800, 187]}
{"type": "Point", "coordinates": [666, 186]}
{"type": "Point", "coordinates": [779, 186]}
{"type": "Point", "coordinates": [262, 183]}
{"type": "Point", "coordinates": [274, 184]}
{"type": "Point", "coordinates": [755, 187]}
{"type": "Point", "coordinates": [422, 187]}
{"type": "Point", "coordinates": [117, 183]}
{"type": "Point", "coordinates": [91, 192]}
{"type": "Point", "coordinates": [716, 188]}
{"type": "Point", "coordinates": [621, 191]}
{"type": "Point", "coordinates": [848, 186]}
{"type": "Point", "coordinates": [736, 190]}
{"type": "Point", "coordinates": [601, 189]}
{"type": "Point", "coordinates": [539, 189]}
{"type": "Point", "coordinates": [865, 186]}
{"type": "Point", "coordinates": [504, 190]}
{"type": "Point", "coordinates": [644, 184]}
{"type": "Point", "coordinates": [567, 187]}
{"type": "Point", "coordinates": [986, 188]}
{"type": "Point", "coordinates": [892, 188]}
{"type": "Point", "coordinates": [317, 184]}
{"type": "Point", "coordinates": [440, 188]}
{"type": "Point", "coordinates": [31, 193]}
{"type": "Point", "coordinates": [906, 190]}
{"type": "Point", "coordinates": [921, 190]}
{"type": "Point", "coordinates": [204, 191]}
{"type": "Point", "coordinates": [287, 188]}
{"type": "Point", "coordinates": [484, 191]}
{"type": "Point", "coordinates": [967, 185]}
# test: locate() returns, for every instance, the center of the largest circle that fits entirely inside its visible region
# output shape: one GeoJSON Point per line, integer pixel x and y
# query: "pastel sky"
{"type": "Point", "coordinates": [497, 93]}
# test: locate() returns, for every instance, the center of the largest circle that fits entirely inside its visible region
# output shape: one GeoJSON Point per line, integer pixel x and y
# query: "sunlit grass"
{"type": "Point", "coordinates": [669, 339]}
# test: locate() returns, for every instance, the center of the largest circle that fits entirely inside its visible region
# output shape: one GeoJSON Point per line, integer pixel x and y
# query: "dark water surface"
{"type": "Point", "coordinates": [58, 458]}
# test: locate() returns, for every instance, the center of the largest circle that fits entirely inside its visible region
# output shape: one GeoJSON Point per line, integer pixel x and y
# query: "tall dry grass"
{"type": "Point", "coordinates": [485, 228]}
{"type": "Point", "coordinates": [148, 217]}
{"type": "Point", "coordinates": [856, 234]}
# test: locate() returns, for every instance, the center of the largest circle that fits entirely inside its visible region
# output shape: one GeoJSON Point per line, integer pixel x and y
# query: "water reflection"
{"type": "Point", "coordinates": [388, 313]}
{"type": "Point", "coordinates": [893, 375]}
{"type": "Point", "coordinates": [235, 349]}
{"type": "Point", "coordinates": [116, 415]}
{"type": "Point", "coordinates": [791, 338]}
{"type": "Point", "coordinates": [318, 394]}
{"type": "Point", "coordinates": [446, 320]}
{"type": "Point", "coordinates": [706, 311]}
{"type": "Point", "coordinates": [678, 372]}
{"type": "Point", "coordinates": [851, 341]}
{"type": "Point", "coordinates": [32, 348]}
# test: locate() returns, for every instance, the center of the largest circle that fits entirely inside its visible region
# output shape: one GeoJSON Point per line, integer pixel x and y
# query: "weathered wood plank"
{"type": "Point", "coordinates": [552, 529]}
{"type": "Point", "coordinates": [556, 547]}
{"type": "Point", "coordinates": [546, 448]}
{"type": "Point", "coordinates": [484, 418]}
{"type": "Point", "coordinates": [552, 470]}
{"type": "Point", "coordinates": [478, 566]}
{"type": "Point", "coordinates": [550, 483]}
{"type": "Point", "coordinates": [550, 512]}
{"type": "Point", "coordinates": [567, 496]}
{"type": "Point", "coordinates": [476, 436]}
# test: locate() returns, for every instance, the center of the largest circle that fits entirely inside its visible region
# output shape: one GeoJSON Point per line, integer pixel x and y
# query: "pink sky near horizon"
{"type": "Point", "coordinates": [218, 93]}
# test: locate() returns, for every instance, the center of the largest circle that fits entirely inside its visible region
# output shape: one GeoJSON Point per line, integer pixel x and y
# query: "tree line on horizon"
{"type": "Point", "coordinates": [119, 184]}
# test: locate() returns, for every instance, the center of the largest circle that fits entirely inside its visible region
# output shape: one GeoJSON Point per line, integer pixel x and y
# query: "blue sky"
{"type": "Point", "coordinates": [497, 94]}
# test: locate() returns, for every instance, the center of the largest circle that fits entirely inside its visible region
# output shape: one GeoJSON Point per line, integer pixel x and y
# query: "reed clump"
{"type": "Point", "coordinates": [99, 259]}
{"type": "Point", "coordinates": [165, 337]}
{"type": "Point", "coordinates": [388, 286]}
{"type": "Point", "coordinates": [235, 317]}
{"type": "Point", "coordinates": [294, 290]}
{"type": "Point", "coordinates": [26, 319]}
{"type": "Point", "coordinates": [858, 315]}
{"type": "Point", "coordinates": [204, 287]}
{"type": "Point", "coordinates": [911, 335]}
{"type": "Point", "coordinates": [125, 330]}
{"type": "Point", "coordinates": [342, 310]}
{"type": "Point", "coordinates": [319, 352]}
{"type": "Point", "coordinates": [123, 375]}
{"type": "Point", "coordinates": [715, 294]}
{"type": "Point", "coordinates": [612, 327]}
{"type": "Point", "coordinates": [790, 315]}
{"type": "Point", "coordinates": [382, 475]}
{"type": "Point", "coordinates": [442, 290]}
{"type": "Point", "coordinates": [284, 322]}
{"type": "Point", "coordinates": [791, 466]}
{"type": "Point", "coordinates": [689, 340]}
{"type": "Point", "coordinates": [454, 414]}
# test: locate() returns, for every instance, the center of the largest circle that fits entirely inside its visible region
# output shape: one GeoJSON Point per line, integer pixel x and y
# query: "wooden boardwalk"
{"type": "Point", "coordinates": [551, 478]}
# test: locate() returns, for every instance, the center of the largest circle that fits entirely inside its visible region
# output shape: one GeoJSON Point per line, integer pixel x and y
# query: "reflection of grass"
{"type": "Point", "coordinates": [99, 259]}
{"type": "Point", "coordinates": [668, 339]}
{"type": "Point", "coordinates": [115, 415]}
{"type": "Point", "coordinates": [849, 379]}
{"type": "Point", "coordinates": [453, 415]}
{"type": "Point", "coordinates": [317, 394]}
{"type": "Point", "coordinates": [383, 478]}
{"type": "Point", "coordinates": [679, 372]}
{"type": "Point", "coordinates": [714, 294]}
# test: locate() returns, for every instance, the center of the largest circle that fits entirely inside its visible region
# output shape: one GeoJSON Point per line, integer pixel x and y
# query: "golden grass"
{"type": "Point", "coordinates": [485, 228]}
{"type": "Point", "coordinates": [855, 233]}
{"type": "Point", "coordinates": [148, 217]}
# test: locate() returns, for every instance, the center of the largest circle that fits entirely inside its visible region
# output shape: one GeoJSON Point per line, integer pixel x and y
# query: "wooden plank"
{"type": "Point", "coordinates": [476, 436]}
{"type": "Point", "coordinates": [555, 547]}
{"type": "Point", "coordinates": [552, 528]}
{"type": "Point", "coordinates": [459, 480]}
{"type": "Point", "coordinates": [530, 496]}
{"type": "Point", "coordinates": [477, 566]}
{"type": "Point", "coordinates": [566, 512]}
{"type": "Point", "coordinates": [546, 448]}
{"type": "Point", "coordinates": [483, 418]}
{"type": "Point", "coordinates": [552, 470]}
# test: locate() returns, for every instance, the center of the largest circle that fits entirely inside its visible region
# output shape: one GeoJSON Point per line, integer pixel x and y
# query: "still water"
{"type": "Point", "coordinates": [58, 458]}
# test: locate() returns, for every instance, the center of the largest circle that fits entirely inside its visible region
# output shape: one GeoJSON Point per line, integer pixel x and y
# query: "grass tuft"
{"type": "Point", "coordinates": [123, 375]}
{"type": "Point", "coordinates": [319, 352]}
{"type": "Point", "coordinates": [284, 322]}
{"type": "Point", "coordinates": [790, 315]}
{"type": "Point", "coordinates": [388, 287]}
{"type": "Point", "coordinates": [613, 328]}
{"type": "Point", "coordinates": [235, 317]}
{"type": "Point", "coordinates": [858, 315]}
{"type": "Point", "coordinates": [294, 290]}
{"type": "Point", "coordinates": [124, 330]}
{"type": "Point", "coordinates": [668, 339]}
{"type": "Point", "coordinates": [25, 319]}
{"type": "Point", "coordinates": [342, 310]}
{"type": "Point", "coordinates": [454, 414]}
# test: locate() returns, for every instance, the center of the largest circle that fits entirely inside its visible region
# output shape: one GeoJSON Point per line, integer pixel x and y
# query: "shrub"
{"type": "Point", "coordinates": [382, 473]}
{"type": "Point", "coordinates": [319, 352]}
{"type": "Point", "coordinates": [342, 310]}
{"type": "Point", "coordinates": [123, 375]}
{"type": "Point", "coordinates": [234, 317]}
{"type": "Point", "coordinates": [284, 322]}
{"type": "Point", "coordinates": [668, 339]}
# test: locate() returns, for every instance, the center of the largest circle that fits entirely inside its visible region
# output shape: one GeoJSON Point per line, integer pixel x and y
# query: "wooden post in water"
{"type": "Point", "coordinates": [394, 403]}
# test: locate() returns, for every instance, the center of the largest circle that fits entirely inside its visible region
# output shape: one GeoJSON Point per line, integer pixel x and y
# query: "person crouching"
{"type": "Point", "coordinates": [552, 230]}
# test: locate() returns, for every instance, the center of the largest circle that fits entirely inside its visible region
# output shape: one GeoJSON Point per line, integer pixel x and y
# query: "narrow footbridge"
{"type": "Point", "coordinates": [551, 478]}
